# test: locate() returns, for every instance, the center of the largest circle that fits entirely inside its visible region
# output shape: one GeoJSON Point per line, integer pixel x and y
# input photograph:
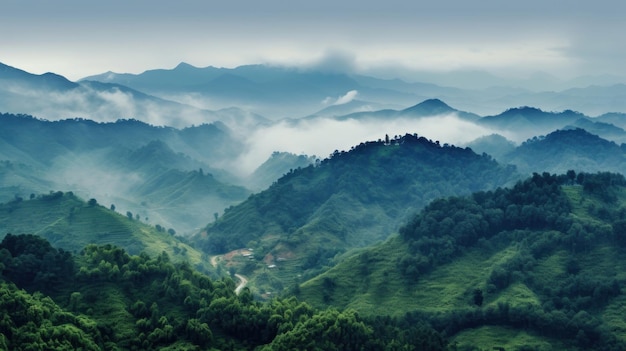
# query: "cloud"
{"type": "Point", "coordinates": [334, 62]}
{"type": "Point", "coordinates": [349, 96]}
{"type": "Point", "coordinates": [341, 100]}
{"type": "Point", "coordinates": [322, 136]}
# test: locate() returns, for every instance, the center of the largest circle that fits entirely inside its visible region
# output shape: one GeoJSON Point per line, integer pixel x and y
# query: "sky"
{"type": "Point", "coordinates": [78, 38]}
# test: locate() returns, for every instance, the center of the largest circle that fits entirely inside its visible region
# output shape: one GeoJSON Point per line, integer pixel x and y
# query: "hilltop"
{"type": "Point", "coordinates": [352, 199]}
{"type": "Point", "coordinates": [539, 264]}
{"type": "Point", "coordinates": [68, 222]}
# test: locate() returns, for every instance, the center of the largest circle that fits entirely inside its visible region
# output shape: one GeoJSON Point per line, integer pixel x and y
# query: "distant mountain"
{"type": "Point", "coordinates": [434, 107]}
{"type": "Point", "coordinates": [614, 118]}
{"type": "Point", "coordinates": [54, 97]}
{"type": "Point", "coordinates": [164, 174]}
{"type": "Point", "coordinates": [350, 200]}
{"type": "Point", "coordinates": [279, 164]}
{"type": "Point", "coordinates": [354, 106]}
{"type": "Point", "coordinates": [426, 108]}
{"type": "Point", "coordinates": [602, 129]}
{"type": "Point", "coordinates": [530, 121]}
{"type": "Point", "coordinates": [14, 79]}
{"type": "Point", "coordinates": [495, 145]}
{"type": "Point", "coordinates": [570, 149]}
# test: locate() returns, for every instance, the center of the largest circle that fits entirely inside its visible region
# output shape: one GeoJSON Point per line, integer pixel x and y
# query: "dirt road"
{"type": "Point", "coordinates": [242, 283]}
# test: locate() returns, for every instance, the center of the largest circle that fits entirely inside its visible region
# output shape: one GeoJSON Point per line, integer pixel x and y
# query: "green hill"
{"type": "Point", "coordinates": [106, 299]}
{"type": "Point", "coordinates": [540, 265]}
{"type": "Point", "coordinates": [353, 199]}
{"type": "Point", "coordinates": [569, 149]}
{"type": "Point", "coordinates": [68, 222]}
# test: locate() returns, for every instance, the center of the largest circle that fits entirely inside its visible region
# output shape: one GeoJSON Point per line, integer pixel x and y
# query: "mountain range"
{"type": "Point", "coordinates": [427, 225]}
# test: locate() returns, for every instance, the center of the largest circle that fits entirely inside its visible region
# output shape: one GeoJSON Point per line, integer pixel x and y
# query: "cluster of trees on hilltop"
{"type": "Point", "coordinates": [105, 299]}
{"type": "Point", "coordinates": [385, 180]}
{"type": "Point", "coordinates": [536, 214]}
{"type": "Point", "coordinates": [448, 225]}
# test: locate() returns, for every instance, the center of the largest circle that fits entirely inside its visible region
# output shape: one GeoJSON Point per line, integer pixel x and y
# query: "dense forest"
{"type": "Point", "coordinates": [544, 256]}
{"type": "Point", "coordinates": [106, 299]}
{"type": "Point", "coordinates": [352, 199]}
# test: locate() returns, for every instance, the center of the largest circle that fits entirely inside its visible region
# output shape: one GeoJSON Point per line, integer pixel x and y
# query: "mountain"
{"type": "Point", "coordinates": [273, 91]}
{"type": "Point", "coordinates": [536, 265]}
{"type": "Point", "coordinates": [350, 200]}
{"type": "Point", "coordinates": [354, 106]}
{"type": "Point", "coordinates": [68, 222]}
{"type": "Point", "coordinates": [614, 118]}
{"type": "Point", "coordinates": [602, 129]}
{"type": "Point", "coordinates": [175, 177]}
{"type": "Point", "coordinates": [53, 97]}
{"type": "Point", "coordinates": [426, 108]}
{"type": "Point", "coordinates": [14, 79]}
{"type": "Point", "coordinates": [570, 149]}
{"type": "Point", "coordinates": [434, 107]}
{"type": "Point", "coordinates": [495, 145]}
{"type": "Point", "coordinates": [529, 121]}
{"type": "Point", "coordinates": [279, 164]}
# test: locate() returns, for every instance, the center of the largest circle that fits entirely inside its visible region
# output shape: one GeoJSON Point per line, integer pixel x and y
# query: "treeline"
{"type": "Point", "coordinates": [106, 299]}
{"type": "Point", "coordinates": [537, 215]}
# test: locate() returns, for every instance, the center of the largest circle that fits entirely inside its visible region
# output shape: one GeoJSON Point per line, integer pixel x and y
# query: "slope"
{"type": "Point", "coordinates": [563, 150]}
{"type": "Point", "coordinates": [544, 258]}
{"type": "Point", "coordinates": [70, 223]}
{"type": "Point", "coordinates": [106, 299]}
{"type": "Point", "coordinates": [526, 122]}
{"type": "Point", "coordinates": [124, 163]}
{"type": "Point", "coordinates": [350, 200]}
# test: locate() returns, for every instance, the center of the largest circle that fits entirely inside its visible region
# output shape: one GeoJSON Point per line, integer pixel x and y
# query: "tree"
{"type": "Point", "coordinates": [112, 207]}
{"type": "Point", "coordinates": [92, 202]}
{"type": "Point", "coordinates": [129, 215]}
{"type": "Point", "coordinates": [478, 297]}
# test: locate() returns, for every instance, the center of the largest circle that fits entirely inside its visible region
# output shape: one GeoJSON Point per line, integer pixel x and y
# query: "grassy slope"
{"type": "Point", "coordinates": [371, 283]}
{"type": "Point", "coordinates": [69, 223]}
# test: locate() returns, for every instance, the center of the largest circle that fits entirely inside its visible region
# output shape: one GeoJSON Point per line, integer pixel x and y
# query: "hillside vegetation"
{"type": "Point", "coordinates": [569, 149]}
{"type": "Point", "coordinates": [349, 200]}
{"type": "Point", "coordinates": [545, 257]}
{"type": "Point", "coordinates": [68, 222]}
{"type": "Point", "coordinates": [106, 299]}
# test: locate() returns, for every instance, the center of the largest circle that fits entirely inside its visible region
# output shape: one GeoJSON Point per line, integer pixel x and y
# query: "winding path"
{"type": "Point", "coordinates": [242, 283]}
{"type": "Point", "coordinates": [214, 260]}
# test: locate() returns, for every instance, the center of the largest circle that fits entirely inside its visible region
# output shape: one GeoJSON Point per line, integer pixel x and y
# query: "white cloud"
{"type": "Point", "coordinates": [341, 100]}
{"type": "Point", "coordinates": [349, 96]}
{"type": "Point", "coordinates": [321, 137]}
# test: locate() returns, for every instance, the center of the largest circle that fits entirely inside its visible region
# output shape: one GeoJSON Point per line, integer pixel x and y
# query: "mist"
{"type": "Point", "coordinates": [100, 105]}
{"type": "Point", "coordinates": [322, 136]}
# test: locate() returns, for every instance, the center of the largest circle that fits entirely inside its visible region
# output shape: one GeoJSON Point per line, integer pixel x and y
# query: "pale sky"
{"type": "Point", "coordinates": [77, 38]}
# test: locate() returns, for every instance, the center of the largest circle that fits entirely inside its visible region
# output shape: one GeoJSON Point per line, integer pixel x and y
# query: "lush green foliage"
{"type": "Point", "coordinates": [68, 222]}
{"type": "Point", "coordinates": [113, 301]}
{"type": "Point", "coordinates": [349, 200]}
{"type": "Point", "coordinates": [563, 150]}
{"type": "Point", "coordinates": [547, 256]}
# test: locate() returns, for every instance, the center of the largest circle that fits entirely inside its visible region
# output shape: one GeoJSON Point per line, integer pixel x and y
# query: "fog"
{"type": "Point", "coordinates": [100, 105]}
{"type": "Point", "coordinates": [322, 136]}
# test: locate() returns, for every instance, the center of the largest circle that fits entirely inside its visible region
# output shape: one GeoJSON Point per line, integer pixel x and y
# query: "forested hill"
{"type": "Point", "coordinates": [70, 223]}
{"type": "Point", "coordinates": [349, 200]}
{"type": "Point", "coordinates": [569, 149]}
{"type": "Point", "coordinates": [545, 257]}
{"type": "Point", "coordinates": [106, 299]}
